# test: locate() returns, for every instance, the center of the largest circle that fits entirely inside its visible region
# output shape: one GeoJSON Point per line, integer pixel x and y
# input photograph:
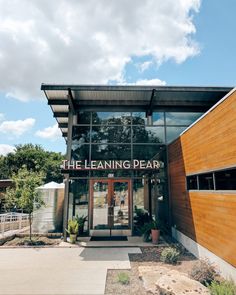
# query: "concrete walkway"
{"type": "Point", "coordinates": [59, 271]}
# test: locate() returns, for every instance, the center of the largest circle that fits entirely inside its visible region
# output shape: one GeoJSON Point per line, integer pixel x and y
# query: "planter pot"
{"type": "Point", "coordinates": [155, 235]}
{"type": "Point", "coordinates": [73, 238]}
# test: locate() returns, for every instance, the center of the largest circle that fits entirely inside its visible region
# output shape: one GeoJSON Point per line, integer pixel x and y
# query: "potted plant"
{"type": "Point", "coordinates": [81, 221]}
{"type": "Point", "coordinates": [151, 229]}
{"type": "Point", "coordinates": [155, 231]}
{"type": "Point", "coordinates": [72, 230]}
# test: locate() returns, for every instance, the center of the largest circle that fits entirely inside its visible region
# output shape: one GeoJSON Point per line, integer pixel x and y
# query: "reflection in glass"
{"type": "Point", "coordinates": [142, 134]}
{"type": "Point", "coordinates": [158, 118]}
{"type": "Point", "coordinates": [79, 151]}
{"type": "Point", "coordinates": [80, 134]}
{"type": "Point", "coordinates": [146, 152]}
{"type": "Point", "coordinates": [111, 152]}
{"type": "Point", "coordinates": [139, 118]}
{"type": "Point", "coordinates": [113, 134]}
{"type": "Point", "coordinates": [121, 204]}
{"type": "Point", "coordinates": [100, 205]}
{"type": "Point", "coordinates": [83, 118]}
{"type": "Point", "coordinates": [173, 132]}
{"type": "Point", "coordinates": [78, 199]}
{"type": "Point", "coordinates": [176, 118]}
{"type": "Point", "coordinates": [140, 203]}
{"type": "Point", "coordinates": [114, 118]}
{"type": "Point", "coordinates": [206, 181]}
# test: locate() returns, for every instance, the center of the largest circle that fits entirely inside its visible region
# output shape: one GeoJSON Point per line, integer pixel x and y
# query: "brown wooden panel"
{"type": "Point", "coordinates": [207, 217]}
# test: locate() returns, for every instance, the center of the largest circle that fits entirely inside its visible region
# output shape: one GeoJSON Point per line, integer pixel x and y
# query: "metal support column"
{"type": "Point", "coordinates": [68, 157]}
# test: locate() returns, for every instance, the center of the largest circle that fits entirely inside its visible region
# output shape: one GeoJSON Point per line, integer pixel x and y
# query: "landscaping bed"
{"type": "Point", "coordinates": [16, 241]}
{"type": "Point", "coordinates": [150, 256]}
{"type": "Point", "coordinates": [150, 273]}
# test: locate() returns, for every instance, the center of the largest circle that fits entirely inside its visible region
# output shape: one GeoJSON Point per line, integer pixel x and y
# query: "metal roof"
{"type": "Point", "coordinates": [132, 98]}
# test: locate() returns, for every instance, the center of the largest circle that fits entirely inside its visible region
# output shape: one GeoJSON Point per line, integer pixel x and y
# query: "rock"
{"type": "Point", "coordinates": [149, 276]}
{"type": "Point", "coordinates": [177, 283]}
{"type": "Point", "coordinates": [160, 280]}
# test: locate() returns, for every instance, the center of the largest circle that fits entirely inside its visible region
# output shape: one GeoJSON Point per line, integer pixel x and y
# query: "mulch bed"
{"type": "Point", "coordinates": [36, 241]}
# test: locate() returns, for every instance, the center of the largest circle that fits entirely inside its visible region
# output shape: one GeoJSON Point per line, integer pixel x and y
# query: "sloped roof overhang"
{"type": "Point", "coordinates": [128, 98]}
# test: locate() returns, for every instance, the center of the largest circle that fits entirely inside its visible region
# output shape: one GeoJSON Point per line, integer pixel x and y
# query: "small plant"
{"type": "Point", "coordinates": [222, 288]}
{"type": "Point", "coordinates": [204, 272]}
{"type": "Point", "coordinates": [73, 227]}
{"type": "Point", "coordinates": [170, 255]}
{"type": "Point", "coordinates": [147, 227]}
{"type": "Point", "coordinates": [81, 221]}
{"type": "Point", "coordinates": [72, 230]}
{"type": "Point", "coordinates": [123, 278]}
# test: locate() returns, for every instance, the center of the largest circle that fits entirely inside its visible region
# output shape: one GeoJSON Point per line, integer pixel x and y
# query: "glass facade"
{"type": "Point", "coordinates": [122, 136]}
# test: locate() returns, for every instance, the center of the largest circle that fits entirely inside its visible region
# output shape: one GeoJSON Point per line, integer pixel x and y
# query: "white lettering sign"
{"type": "Point", "coordinates": [110, 164]}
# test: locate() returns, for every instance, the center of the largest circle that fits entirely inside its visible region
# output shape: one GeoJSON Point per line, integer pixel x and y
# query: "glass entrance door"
{"type": "Point", "coordinates": [110, 204]}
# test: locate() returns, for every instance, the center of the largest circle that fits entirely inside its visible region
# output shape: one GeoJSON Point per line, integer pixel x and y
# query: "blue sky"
{"type": "Point", "coordinates": [180, 42]}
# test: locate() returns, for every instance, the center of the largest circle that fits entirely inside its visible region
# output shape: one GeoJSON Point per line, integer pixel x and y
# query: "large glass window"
{"type": "Point", "coordinates": [192, 182]}
{"type": "Point", "coordinates": [179, 119]}
{"type": "Point", "coordinates": [111, 118]}
{"type": "Point", "coordinates": [206, 181]}
{"type": "Point", "coordinates": [78, 199]}
{"type": "Point", "coordinates": [158, 118]}
{"type": "Point", "coordinates": [84, 117]}
{"type": "Point", "coordinates": [111, 152]}
{"type": "Point", "coordinates": [139, 118]}
{"type": "Point", "coordinates": [226, 180]}
{"type": "Point", "coordinates": [112, 134]}
{"type": "Point", "coordinates": [173, 132]}
{"type": "Point", "coordinates": [80, 134]}
{"type": "Point", "coordinates": [142, 134]}
{"type": "Point", "coordinates": [145, 152]}
{"type": "Point", "coordinates": [79, 151]}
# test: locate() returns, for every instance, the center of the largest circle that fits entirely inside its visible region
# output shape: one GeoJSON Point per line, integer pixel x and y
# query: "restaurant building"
{"type": "Point", "coordinates": [167, 151]}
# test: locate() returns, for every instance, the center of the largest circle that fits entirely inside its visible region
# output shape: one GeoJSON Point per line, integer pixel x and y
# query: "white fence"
{"type": "Point", "coordinates": [13, 221]}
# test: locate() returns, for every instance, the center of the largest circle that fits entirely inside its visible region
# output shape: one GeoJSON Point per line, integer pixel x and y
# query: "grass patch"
{"type": "Point", "coordinates": [123, 278]}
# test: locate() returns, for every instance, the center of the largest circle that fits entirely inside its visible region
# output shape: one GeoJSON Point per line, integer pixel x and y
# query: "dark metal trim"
{"type": "Point", "coordinates": [60, 114]}
{"type": "Point", "coordinates": [63, 125]}
{"type": "Point", "coordinates": [71, 101]}
{"type": "Point", "coordinates": [58, 102]}
{"type": "Point", "coordinates": [150, 107]}
{"type": "Point", "coordinates": [134, 88]}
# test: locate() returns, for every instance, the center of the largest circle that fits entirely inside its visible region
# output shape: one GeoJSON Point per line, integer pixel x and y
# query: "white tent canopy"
{"type": "Point", "coordinates": [52, 185]}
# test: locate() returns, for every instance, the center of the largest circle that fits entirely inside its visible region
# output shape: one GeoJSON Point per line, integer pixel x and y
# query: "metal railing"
{"type": "Point", "coordinates": [13, 221]}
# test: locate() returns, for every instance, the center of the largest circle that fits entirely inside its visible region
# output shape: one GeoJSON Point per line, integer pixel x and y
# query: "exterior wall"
{"type": "Point", "coordinates": [207, 217]}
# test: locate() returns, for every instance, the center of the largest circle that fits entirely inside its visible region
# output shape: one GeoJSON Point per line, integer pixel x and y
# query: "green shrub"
{"type": "Point", "coordinates": [222, 288]}
{"type": "Point", "coordinates": [123, 278]}
{"type": "Point", "coordinates": [204, 272]}
{"type": "Point", "coordinates": [170, 255]}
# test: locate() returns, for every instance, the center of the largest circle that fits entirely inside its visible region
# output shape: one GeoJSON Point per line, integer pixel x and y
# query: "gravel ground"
{"type": "Point", "coordinates": [150, 256]}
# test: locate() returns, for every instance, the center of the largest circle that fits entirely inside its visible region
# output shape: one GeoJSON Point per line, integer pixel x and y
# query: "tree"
{"type": "Point", "coordinates": [24, 193]}
{"type": "Point", "coordinates": [36, 159]}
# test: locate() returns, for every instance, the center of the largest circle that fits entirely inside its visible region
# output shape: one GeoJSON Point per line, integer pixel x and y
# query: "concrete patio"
{"type": "Point", "coordinates": [60, 271]}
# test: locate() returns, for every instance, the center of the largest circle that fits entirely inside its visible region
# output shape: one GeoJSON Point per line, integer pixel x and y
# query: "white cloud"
{"type": "Point", "coordinates": [5, 149]}
{"type": "Point", "coordinates": [91, 41]}
{"type": "Point", "coordinates": [16, 128]}
{"type": "Point", "coordinates": [144, 66]}
{"type": "Point", "coordinates": [51, 133]}
{"type": "Point", "coordinates": [154, 82]}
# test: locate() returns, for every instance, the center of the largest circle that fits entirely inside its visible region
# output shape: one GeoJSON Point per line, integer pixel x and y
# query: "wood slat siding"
{"type": "Point", "coordinates": [207, 217]}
